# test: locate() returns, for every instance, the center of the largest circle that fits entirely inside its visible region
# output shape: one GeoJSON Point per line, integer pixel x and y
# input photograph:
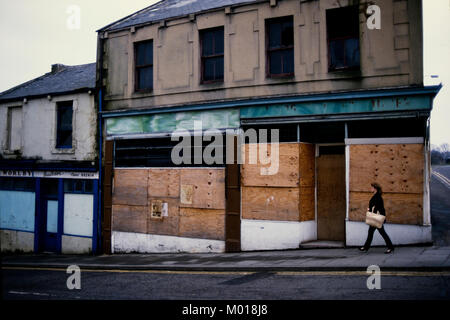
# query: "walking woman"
{"type": "Point", "coordinates": [376, 204]}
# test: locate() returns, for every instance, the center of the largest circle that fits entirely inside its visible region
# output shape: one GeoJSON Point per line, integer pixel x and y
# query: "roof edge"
{"type": "Point", "coordinates": [53, 94]}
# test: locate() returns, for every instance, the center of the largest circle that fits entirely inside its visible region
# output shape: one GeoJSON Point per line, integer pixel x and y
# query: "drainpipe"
{"type": "Point", "coordinates": [100, 139]}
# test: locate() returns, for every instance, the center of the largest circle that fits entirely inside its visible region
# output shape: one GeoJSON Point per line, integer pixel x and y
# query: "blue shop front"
{"type": "Point", "coordinates": [48, 208]}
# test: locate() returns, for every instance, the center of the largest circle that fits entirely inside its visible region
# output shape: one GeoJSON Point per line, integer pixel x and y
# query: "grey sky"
{"type": "Point", "coordinates": [35, 34]}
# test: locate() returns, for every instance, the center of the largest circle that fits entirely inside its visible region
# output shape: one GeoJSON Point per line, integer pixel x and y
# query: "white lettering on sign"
{"type": "Point", "coordinates": [49, 174]}
{"type": "Point", "coordinates": [16, 173]}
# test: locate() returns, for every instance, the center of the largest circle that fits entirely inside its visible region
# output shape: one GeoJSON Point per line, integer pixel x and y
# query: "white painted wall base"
{"type": "Point", "coordinates": [273, 235]}
{"type": "Point", "coordinates": [126, 242]}
{"type": "Point", "coordinates": [11, 240]}
{"type": "Point", "coordinates": [75, 245]}
{"type": "Point", "coordinates": [356, 234]}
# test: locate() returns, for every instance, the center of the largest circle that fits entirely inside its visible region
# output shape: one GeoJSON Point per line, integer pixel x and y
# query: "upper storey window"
{"type": "Point", "coordinates": [280, 47]}
{"type": "Point", "coordinates": [343, 38]}
{"type": "Point", "coordinates": [212, 44]}
{"type": "Point", "coordinates": [143, 65]}
{"type": "Point", "coordinates": [64, 125]}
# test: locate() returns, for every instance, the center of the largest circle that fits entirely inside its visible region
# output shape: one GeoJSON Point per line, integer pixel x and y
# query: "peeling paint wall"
{"type": "Point", "coordinates": [391, 56]}
{"type": "Point", "coordinates": [38, 136]}
{"type": "Point", "coordinates": [11, 240]}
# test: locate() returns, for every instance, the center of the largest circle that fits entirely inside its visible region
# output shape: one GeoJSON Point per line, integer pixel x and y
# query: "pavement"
{"type": "Point", "coordinates": [404, 258]}
{"type": "Point", "coordinates": [407, 258]}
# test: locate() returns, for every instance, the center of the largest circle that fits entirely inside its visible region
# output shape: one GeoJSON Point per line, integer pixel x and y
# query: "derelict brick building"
{"type": "Point", "coordinates": [348, 100]}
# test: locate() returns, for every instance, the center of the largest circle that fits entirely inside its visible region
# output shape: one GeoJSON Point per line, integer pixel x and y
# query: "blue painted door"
{"type": "Point", "coordinates": [49, 211]}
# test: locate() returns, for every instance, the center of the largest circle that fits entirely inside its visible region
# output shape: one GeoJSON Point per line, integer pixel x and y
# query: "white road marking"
{"type": "Point", "coordinates": [29, 293]}
{"type": "Point", "coordinates": [442, 178]}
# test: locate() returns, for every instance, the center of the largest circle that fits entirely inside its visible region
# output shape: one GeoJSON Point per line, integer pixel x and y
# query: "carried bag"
{"type": "Point", "coordinates": [374, 219]}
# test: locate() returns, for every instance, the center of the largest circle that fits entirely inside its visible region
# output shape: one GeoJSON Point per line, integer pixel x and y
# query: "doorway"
{"type": "Point", "coordinates": [48, 228]}
{"type": "Point", "coordinates": [331, 195]}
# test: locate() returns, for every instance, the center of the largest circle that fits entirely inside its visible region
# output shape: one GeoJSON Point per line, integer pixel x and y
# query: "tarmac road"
{"type": "Point", "coordinates": [440, 205]}
{"type": "Point", "coordinates": [29, 284]}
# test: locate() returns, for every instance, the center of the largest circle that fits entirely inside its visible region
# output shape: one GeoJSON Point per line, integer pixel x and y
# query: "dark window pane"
{"type": "Point", "coordinates": [343, 22]}
{"type": "Point", "coordinates": [207, 44]}
{"type": "Point", "coordinates": [343, 37]}
{"type": "Point", "coordinates": [288, 61]}
{"type": "Point", "coordinates": [274, 35]}
{"type": "Point", "coordinates": [64, 139]}
{"type": "Point", "coordinates": [78, 186]}
{"type": "Point", "coordinates": [352, 52]}
{"type": "Point", "coordinates": [287, 34]}
{"type": "Point", "coordinates": [212, 45]}
{"type": "Point", "coordinates": [144, 53]}
{"type": "Point", "coordinates": [275, 62]}
{"type": "Point", "coordinates": [65, 118]}
{"type": "Point", "coordinates": [145, 78]}
{"type": "Point", "coordinates": [88, 186]}
{"type": "Point", "coordinates": [218, 41]}
{"type": "Point", "coordinates": [208, 69]}
{"type": "Point", "coordinates": [64, 125]}
{"type": "Point", "coordinates": [219, 68]}
{"type": "Point", "coordinates": [337, 54]}
{"type": "Point", "coordinates": [68, 185]}
{"type": "Point", "coordinates": [6, 184]}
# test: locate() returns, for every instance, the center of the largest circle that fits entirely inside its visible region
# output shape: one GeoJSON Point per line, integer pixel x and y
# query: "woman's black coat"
{"type": "Point", "coordinates": [377, 201]}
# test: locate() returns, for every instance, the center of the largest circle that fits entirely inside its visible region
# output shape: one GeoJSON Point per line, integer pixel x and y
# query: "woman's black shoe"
{"type": "Point", "coordinates": [363, 249]}
{"type": "Point", "coordinates": [389, 250]}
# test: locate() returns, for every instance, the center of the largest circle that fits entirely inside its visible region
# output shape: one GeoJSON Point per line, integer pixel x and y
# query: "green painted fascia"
{"type": "Point", "coordinates": [170, 122]}
{"type": "Point", "coordinates": [402, 103]}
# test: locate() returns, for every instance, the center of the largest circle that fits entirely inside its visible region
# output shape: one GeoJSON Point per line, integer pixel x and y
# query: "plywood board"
{"type": "Point", "coordinates": [130, 187]}
{"type": "Point", "coordinates": [267, 203]}
{"type": "Point", "coordinates": [307, 164]}
{"type": "Point", "coordinates": [307, 203]}
{"type": "Point", "coordinates": [167, 225]}
{"type": "Point", "coordinates": [202, 188]}
{"type": "Point", "coordinates": [402, 208]}
{"type": "Point", "coordinates": [397, 168]}
{"type": "Point", "coordinates": [164, 183]}
{"type": "Point", "coordinates": [288, 166]}
{"type": "Point", "coordinates": [202, 223]}
{"type": "Point", "coordinates": [129, 218]}
{"type": "Point", "coordinates": [331, 197]}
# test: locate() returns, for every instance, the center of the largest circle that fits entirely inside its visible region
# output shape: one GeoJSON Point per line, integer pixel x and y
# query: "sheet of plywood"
{"type": "Point", "coordinates": [288, 166]}
{"type": "Point", "coordinates": [129, 218]}
{"type": "Point", "coordinates": [402, 208]}
{"type": "Point", "coordinates": [164, 183]}
{"type": "Point", "coordinates": [397, 168]}
{"type": "Point", "coordinates": [307, 164]}
{"type": "Point", "coordinates": [202, 223]}
{"type": "Point", "coordinates": [167, 225]}
{"type": "Point", "coordinates": [268, 203]}
{"type": "Point", "coordinates": [331, 198]}
{"type": "Point", "coordinates": [130, 187]}
{"type": "Point", "coordinates": [202, 188]}
{"type": "Point", "coordinates": [307, 203]}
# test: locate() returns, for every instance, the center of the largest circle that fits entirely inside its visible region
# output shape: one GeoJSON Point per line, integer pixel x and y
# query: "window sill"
{"type": "Point", "coordinates": [212, 83]}
{"type": "Point", "coordinates": [283, 76]}
{"type": "Point", "coordinates": [347, 71]}
{"type": "Point", "coordinates": [63, 151]}
{"type": "Point", "coordinates": [12, 152]}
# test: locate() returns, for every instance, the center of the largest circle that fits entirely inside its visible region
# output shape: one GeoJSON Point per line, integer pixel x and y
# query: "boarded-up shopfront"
{"type": "Point", "coordinates": [328, 154]}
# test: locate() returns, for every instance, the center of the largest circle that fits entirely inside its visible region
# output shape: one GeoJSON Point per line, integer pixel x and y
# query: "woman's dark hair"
{"type": "Point", "coordinates": [377, 187]}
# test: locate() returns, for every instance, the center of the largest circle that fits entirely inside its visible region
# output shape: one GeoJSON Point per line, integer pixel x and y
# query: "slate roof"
{"type": "Point", "coordinates": [166, 9]}
{"type": "Point", "coordinates": [67, 79]}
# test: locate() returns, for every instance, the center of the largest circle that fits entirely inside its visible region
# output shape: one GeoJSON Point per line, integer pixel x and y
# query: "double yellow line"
{"type": "Point", "coordinates": [279, 273]}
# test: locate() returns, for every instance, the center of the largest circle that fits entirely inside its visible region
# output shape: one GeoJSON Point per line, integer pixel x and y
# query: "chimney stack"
{"type": "Point", "coordinates": [57, 67]}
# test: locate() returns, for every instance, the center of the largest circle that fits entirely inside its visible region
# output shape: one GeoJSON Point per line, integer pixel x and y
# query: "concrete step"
{"type": "Point", "coordinates": [322, 244]}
